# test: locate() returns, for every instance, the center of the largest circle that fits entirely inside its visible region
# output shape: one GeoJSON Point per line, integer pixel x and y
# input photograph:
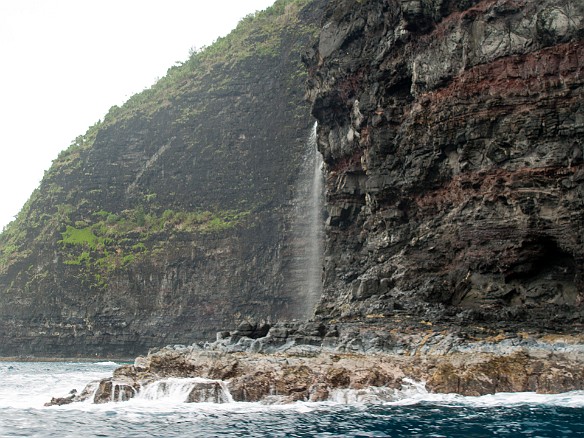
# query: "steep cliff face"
{"type": "Point", "coordinates": [453, 139]}
{"type": "Point", "coordinates": [453, 136]}
{"type": "Point", "coordinates": [167, 221]}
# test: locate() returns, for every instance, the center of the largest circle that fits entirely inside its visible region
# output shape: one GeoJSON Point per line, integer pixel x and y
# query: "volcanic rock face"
{"type": "Point", "coordinates": [169, 219]}
{"type": "Point", "coordinates": [453, 136]}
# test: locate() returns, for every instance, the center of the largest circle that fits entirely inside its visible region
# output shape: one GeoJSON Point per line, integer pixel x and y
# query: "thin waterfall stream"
{"type": "Point", "coordinates": [315, 225]}
{"type": "Point", "coordinates": [308, 229]}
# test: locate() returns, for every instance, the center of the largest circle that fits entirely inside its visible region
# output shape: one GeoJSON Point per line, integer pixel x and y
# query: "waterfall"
{"type": "Point", "coordinates": [121, 391]}
{"type": "Point", "coordinates": [307, 230]}
{"type": "Point", "coordinates": [315, 225]}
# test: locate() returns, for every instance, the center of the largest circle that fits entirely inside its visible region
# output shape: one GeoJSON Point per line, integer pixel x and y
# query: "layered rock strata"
{"type": "Point", "coordinates": [170, 219]}
{"type": "Point", "coordinates": [453, 136]}
{"type": "Point", "coordinates": [452, 133]}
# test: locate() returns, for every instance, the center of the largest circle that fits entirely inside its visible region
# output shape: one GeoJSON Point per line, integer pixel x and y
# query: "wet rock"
{"type": "Point", "coordinates": [208, 392]}
{"type": "Point", "coordinates": [140, 363]}
{"type": "Point", "coordinates": [59, 401]}
{"type": "Point", "coordinates": [110, 390]}
{"type": "Point", "coordinates": [367, 361]}
{"type": "Point", "coordinates": [223, 335]}
{"type": "Point", "coordinates": [514, 373]}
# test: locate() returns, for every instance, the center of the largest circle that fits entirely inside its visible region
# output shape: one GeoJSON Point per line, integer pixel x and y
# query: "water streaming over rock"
{"type": "Point", "coordinates": [190, 390]}
{"type": "Point", "coordinates": [307, 231]}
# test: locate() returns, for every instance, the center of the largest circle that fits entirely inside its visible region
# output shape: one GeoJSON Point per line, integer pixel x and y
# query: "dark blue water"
{"type": "Point", "coordinates": [412, 413]}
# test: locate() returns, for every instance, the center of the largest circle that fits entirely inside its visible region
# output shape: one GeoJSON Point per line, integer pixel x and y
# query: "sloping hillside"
{"type": "Point", "coordinates": [167, 220]}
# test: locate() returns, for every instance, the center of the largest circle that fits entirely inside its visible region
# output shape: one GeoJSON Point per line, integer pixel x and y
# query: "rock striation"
{"type": "Point", "coordinates": [169, 219]}
{"type": "Point", "coordinates": [452, 133]}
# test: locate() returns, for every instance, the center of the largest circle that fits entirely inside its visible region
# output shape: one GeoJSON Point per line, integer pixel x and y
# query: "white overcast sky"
{"type": "Point", "coordinates": [64, 63]}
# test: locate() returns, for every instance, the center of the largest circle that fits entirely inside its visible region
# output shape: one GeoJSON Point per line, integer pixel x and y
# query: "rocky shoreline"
{"type": "Point", "coordinates": [313, 361]}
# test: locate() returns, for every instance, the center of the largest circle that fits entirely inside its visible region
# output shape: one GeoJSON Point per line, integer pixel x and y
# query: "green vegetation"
{"type": "Point", "coordinates": [84, 236]}
{"type": "Point", "coordinates": [257, 35]}
{"type": "Point", "coordinates": [111, 241]}
{"type": "Point", "coordinates": [69, 159]}
{"type": "Point", "coordinates": [107, 241]}
{"type": "Point", "coordinates": [12, 247]}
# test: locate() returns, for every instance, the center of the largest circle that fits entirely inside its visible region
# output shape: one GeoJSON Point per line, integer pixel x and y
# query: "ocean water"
{"type": "Point", "coordinates": [411, 412]}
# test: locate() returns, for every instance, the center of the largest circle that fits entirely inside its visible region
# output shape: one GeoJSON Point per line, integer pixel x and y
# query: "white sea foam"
{"type": "Point", "coordinates": [32, 384]}
{"type": "Point", "coordinates": [572, 399]}
{"type": "Point", "coordinates": [26, 387]}
{"type": "Point", "coordinates": [413, 392]}
{"type": "Point", "coordinates": [177, 390]}
{"type": "Point", "coordinates": [107, 364]}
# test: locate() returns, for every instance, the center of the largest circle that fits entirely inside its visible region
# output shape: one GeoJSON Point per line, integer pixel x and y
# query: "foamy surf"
{"type": "Point", "coordinates": [413, 392]}
{"type": "Point", "coordinates": [32, 384]}
{"type": "Point", "coordinates": [107, 364]}
{"type": "Point", "coordinates": [160, 410]}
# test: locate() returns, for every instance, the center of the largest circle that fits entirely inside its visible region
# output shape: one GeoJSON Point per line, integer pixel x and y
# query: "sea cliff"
{"type": "Point", "coordinates": [452, 134]}
{"type": "Point", "coordinates": [175, 215]}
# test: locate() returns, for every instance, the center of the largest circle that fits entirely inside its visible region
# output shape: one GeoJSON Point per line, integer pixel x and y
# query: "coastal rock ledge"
{"type": "Point", "coordinates": [298, 371]}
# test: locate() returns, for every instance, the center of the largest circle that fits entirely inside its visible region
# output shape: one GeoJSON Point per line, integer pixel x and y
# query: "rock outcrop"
{"type": "Point", "coordinates": [300, 371]}
{"type": "Point", "coordinates": [453, 133]}
{"type": "Point", "coordinates": [169, 219]}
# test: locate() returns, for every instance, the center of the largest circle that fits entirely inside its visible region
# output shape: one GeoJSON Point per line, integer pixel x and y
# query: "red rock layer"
{"type": "Point", "coordinates": [453, 134]}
